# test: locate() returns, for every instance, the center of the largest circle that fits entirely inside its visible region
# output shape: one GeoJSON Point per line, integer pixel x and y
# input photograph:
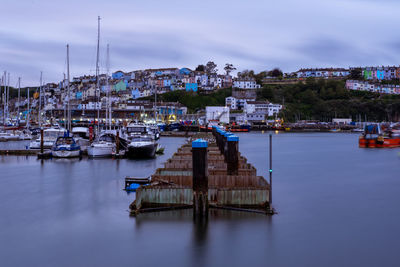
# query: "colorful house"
{"type": "Point", "coordinates": [191, 87]}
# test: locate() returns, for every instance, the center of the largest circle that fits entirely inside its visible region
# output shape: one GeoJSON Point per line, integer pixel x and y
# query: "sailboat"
{"type": "Point", "coordinates": [66, 146]}
{"type": "Point", "coordinates": [105, 145]}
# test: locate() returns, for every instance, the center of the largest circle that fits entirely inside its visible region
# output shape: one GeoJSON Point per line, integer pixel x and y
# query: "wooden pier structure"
{"type": "Point", "coordinates": [207, 172]}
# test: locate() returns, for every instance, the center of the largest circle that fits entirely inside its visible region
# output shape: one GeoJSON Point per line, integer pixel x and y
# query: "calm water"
{"type": "Point", "coordinates": [337, 204]}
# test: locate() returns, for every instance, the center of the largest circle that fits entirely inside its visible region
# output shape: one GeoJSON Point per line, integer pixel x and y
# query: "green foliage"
{"type": "Point", "coordinates": [326, 99]}
{"type": "Point", "coordinates": [195, 101]}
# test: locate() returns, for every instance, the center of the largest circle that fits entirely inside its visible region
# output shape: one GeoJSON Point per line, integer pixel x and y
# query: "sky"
{"type": "Point", "coordinates": [251, 34]}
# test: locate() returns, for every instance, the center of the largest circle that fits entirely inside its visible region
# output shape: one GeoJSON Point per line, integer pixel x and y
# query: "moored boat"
{"type": "Point", "coordinates": [374, 137]}
{"type": "Point", "coordinates": [49, 137]}
{"type": "Point", "coordinates": [66, 147]}
{"type": "Point", "coordinates": [143, 146]}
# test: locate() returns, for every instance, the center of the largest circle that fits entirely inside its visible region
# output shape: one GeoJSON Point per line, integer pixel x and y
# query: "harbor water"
{"type": "Point", "coordinates": [336, 204]}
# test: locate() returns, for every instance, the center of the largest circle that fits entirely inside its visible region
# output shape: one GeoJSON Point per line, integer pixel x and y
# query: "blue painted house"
{"type": "Point", "coordinates": [380, 74]}
{"type": "Point", "coordinates": [135, 93]}
{"type": "Point", "coordinates": [118, 75]}
{"type": "Point", "coordinates": [191, 87]}
{"type": "Point", "coordinates": [184, 71]}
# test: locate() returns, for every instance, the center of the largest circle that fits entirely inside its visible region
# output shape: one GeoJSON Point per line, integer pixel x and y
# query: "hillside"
{"type": "Point", "coordinates": [325, 99]}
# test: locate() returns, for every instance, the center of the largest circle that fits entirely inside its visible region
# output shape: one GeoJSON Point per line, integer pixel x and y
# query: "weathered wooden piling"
{"type": "Point", "coordinates": [42, 154]}
{"type": "Point", "coordinates": [117, 145]}
{"type": "Point", "coordinates": [200, 177]}
{"type": "Point", "coordinates": [41, 141]}
{"type": "Point", "coordinates": [232, 154]}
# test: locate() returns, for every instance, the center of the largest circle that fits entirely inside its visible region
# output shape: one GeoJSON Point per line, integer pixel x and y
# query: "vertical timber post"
{"type": "Point", "coordinates": [270, 170]}
{"type": "Point", "coordinates": [117, 144]}
{"type": "Point", "coordinates": [41, 141]}
{"type": "Point", "coordinates": [200, 178]}
{"type": "Point", "coordinates": [232, 154]}
{"type": "Point", "coordinates": [90, 134]}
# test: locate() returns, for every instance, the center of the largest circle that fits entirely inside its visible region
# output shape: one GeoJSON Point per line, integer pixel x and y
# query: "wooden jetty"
{"type": "Point", "coordinates": [207, 172]}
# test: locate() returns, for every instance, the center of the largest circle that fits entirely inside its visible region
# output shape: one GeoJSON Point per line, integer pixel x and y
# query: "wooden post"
{"type": "Point", "coordinates": [90, 134]}
{"type": "Point", "coordinates": [232, 155]}
{"type": "Point", "coordinates": [270, 170]}
{"type": "Point", "coordinates": [200, 177]}
{"type": "Point", "coordinates": [117, 144]}
{"type": "Point", "coordinates": [41, 141]}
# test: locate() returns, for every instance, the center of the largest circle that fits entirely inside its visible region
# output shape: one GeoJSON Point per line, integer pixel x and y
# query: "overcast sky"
{"type": "Point", "coordinates": [251, 34]}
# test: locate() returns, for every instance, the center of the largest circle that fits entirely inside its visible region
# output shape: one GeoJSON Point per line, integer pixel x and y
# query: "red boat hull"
{"type": "Point", "coordinates": [376, 143]}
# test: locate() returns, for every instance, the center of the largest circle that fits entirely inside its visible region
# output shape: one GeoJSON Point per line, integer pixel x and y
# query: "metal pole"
{"type": "Point", "coordinates": [69, 93]}
{"type": "Point", "coordinates": [270, 170]}
{"type": "Point", "coordinates": [98, 94]}
{"type": "Point", "coordinates": [28, 111]}
{"type": "Point", "coordinates": [19, 97]}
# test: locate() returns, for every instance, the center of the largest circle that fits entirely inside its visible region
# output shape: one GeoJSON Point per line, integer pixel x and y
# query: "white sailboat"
{"type": "Point", "coordinates": [105, 145]}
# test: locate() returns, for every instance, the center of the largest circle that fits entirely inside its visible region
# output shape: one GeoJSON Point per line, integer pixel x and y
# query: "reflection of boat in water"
{"type": "Point", "coordinates": [66, 147]}
{"type": "Point", "coordinates": [374, 137]}
{"type": "Point", "coordinates": [49, 137]}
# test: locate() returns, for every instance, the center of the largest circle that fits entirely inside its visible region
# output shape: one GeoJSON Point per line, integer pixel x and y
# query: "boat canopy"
{"type": "Point", "coordinates": [372, 129]}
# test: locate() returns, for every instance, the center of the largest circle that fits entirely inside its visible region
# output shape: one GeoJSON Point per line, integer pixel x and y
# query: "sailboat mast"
{"type": "Point", "coordinates": [19, 97]}
{"type": "Point", "coordinates": [68, 91]}
{"type": "Point", "coordinates": [155, 106]}
{"type": "Point", "coordinates": [108, 108]}
{"type": "Point", "coordinates": [3, 83]}
{"type": "Point", "coordinates": [28, 111]}
{"type": "Point", "coordinates": [8, 95]}
{"type": "Point", "coordinates": [97, 76]}
{"type": "Point", "coordinates": [40, 101]}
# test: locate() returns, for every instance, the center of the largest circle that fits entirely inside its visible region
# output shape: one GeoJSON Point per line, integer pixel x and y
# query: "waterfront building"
{"type": "Point", "coordinates": [217, 113]}
{"type": "Point", "coordinates": [262, 107]}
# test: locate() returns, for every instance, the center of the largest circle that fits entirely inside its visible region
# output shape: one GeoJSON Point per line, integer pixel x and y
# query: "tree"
{"type": "Point", "coordinates": [200, 68]}
{"type": "Point", "coordinates": [246, 74]}
{"type": "Point", "coordinates": [275, 73]}
{"type": "Point", "coordinates": [355, 74]}
{"type": "Point", "coordinates": [229, 68]}
{"type": "Point", "coordinates": [211, 68]}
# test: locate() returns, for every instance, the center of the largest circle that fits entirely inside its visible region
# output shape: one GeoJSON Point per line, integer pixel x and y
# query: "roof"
{"type": "Point", "coordinates": [323, 69]}
{"type": "Point", "coordinates": [257, 102]}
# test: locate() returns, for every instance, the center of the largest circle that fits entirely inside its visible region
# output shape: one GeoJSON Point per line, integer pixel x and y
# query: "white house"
{"type": "Point", "coordinates": [231, 102]}
{"type": "Point", "coordinates": [245, 83]}
{"type": "Point", "coordinates": [220, 114]}
{"type": "Point", "coordinates": [263, 107]}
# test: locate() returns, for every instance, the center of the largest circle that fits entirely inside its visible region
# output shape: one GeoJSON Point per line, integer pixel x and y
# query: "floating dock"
{"type": "Point", "coordinates": [207, 172]}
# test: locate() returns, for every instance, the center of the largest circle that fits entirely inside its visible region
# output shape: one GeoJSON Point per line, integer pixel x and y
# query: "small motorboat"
{"type": "Point", "coordinates": [66, 147]}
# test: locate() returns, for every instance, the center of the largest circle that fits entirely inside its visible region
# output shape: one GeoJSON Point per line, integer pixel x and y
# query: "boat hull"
{"type": "Point", "coordinates": [145, 151]}
{"type": "Point", "coordinates": [376, 143]}
{"type": "Point", "coordinates": [100, 151]}
{"type": "Point", "coordinates": [66, 153]}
